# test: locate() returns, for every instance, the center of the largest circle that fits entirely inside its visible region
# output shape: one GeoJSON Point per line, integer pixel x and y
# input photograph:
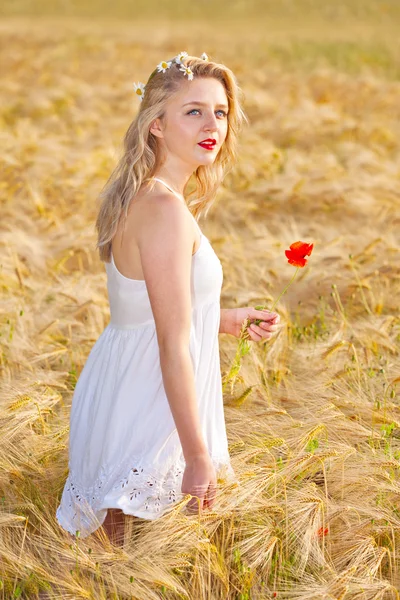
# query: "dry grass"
{"type": "Point", "coordinates": [314, 424]}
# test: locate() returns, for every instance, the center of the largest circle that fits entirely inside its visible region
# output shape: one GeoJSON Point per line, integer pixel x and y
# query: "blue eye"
{"type": "Point", "coordinates": [193, 109]}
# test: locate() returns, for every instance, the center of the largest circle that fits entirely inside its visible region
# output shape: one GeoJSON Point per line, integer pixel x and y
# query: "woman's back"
{"type": "Point", "coordinates": [125, 241]}
{"type": "Point", "coordinates": [124, 448]}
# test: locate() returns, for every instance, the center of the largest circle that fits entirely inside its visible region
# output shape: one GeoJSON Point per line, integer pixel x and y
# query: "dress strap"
{"type": "Point", "coordinates": [180, 197]}
{"type": "Point", "coordinates": [167, 186]}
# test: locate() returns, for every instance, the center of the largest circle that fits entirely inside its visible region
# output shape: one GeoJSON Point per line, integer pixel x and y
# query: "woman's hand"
{"type": "Point", "coordinates": [199, 479]}
{"type": "Point", "coordinates": [233, 319]}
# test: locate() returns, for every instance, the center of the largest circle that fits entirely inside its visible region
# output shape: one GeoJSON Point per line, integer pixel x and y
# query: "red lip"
{"type": "Point", "coordinates": [207, 145]}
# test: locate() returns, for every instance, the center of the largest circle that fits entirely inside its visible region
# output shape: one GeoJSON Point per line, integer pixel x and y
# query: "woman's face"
{"type": "Point", "coordinates": [197, 112]}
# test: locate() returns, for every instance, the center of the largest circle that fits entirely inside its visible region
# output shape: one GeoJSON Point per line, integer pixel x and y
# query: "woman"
{"type": "Point", "coordinates": [147, 423]}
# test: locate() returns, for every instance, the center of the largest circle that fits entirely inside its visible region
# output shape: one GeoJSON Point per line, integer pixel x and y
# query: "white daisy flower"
{"type": "Point", "coordinates": [163, 66]}
{"type": "Point", "coordinates": [187, 71]}
{"type": "Point", "coordinates": [179, 57]}
{"type": "Point", "coordinates": [204, 56]}
{"type": "Point", "coordinates": [139, 89]}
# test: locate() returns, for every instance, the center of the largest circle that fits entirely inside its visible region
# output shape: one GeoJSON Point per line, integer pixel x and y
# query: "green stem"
{"type": "Point", "coordinates": [243, 347]}
{"type": "Point", "coordinates": [286, 288]}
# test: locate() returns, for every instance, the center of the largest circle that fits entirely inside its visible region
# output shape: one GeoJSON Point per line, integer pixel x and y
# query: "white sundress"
{"type": "Point", "coordinates": [124, 448]}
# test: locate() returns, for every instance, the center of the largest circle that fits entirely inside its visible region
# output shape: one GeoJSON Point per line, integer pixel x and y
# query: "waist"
{"type": "Point", "coordinates": [115, 325]}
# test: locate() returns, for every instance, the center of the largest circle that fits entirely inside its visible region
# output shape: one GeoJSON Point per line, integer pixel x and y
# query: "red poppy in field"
{"type": "Point", "coordinates": [297, 254]}
{"type": "Point", "coordinates": [322, 532]}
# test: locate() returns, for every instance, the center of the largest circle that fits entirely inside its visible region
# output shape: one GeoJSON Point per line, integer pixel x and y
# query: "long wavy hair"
{"type": "Point", "coordinates": [141, 157]}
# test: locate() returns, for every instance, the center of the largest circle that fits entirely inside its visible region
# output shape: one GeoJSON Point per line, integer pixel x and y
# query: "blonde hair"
{"type": "Point", "coordinates": [141, 157]}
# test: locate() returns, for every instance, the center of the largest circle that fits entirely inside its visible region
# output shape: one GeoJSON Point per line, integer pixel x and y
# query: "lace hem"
{"type": "Point", "coordinates": [144, 492]}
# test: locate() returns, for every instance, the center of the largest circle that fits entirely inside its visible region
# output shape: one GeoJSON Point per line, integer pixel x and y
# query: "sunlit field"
{"type": "Point", "coordinates": [313, 420]}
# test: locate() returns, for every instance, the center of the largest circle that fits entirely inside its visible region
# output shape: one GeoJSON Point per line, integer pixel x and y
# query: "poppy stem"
{"type": "Point", "coordinates": [286, 288]}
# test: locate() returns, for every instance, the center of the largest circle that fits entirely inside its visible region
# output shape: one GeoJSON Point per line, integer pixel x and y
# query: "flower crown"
{"type": "Point", "coordinates": [163, 66]}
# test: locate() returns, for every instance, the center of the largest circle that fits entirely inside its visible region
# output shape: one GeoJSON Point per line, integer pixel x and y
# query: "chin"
{"type": "Point", "coordinates": [204, 163]}
{"type": "Point", "coordinates": [204, 160]}
{"type": "Point", "coordinates": [208, 159]}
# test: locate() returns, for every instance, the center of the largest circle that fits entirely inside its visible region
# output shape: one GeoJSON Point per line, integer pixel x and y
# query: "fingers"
{"type": "Point", "coordinates": [262, 331]}
{"type": "Point", "coordinates": [196, 502]}
{"type": "Point", "coordinates": [194, 505]}
{"type": "Point", "coordinates": [268, 327]}
{"type": "Point", "coordinates": [204, 494]}
{"type": "Point", "coordinates": [202, 499]}
{"type": "Point", "coordinates": [266, 315]}
{"type": "Point", "coordinates": [256, 333]}
{"type": "Point", "coordinates": [209, 499]}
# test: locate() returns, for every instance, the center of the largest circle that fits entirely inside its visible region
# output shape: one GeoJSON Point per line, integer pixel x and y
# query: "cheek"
{"type": "Point", "coordinates": [189, 128]}
{"type": "Point", "coordinates": [182, 129]}
{"type": "Point", "coordinates": [187, 135]}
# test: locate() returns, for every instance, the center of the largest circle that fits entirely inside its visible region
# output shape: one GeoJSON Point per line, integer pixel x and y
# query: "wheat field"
{"type": "Point", "coordinates": [313, 419]}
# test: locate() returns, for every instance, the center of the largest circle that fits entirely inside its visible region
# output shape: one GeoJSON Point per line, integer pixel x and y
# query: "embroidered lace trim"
{"type": "Point", "coordinates": [146, 490]}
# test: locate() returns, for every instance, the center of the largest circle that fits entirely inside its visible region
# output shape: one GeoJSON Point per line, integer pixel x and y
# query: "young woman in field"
{"type": "Point", "coordinates": [147, 423]}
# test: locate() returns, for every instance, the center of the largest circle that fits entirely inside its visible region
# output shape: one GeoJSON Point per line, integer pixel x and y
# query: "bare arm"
{"type": "Point", "coordinates": [165, 243]}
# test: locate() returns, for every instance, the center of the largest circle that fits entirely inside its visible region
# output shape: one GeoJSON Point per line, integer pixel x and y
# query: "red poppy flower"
{"type": "Point", "coordinates": [322, 532]}
{"type": "Point", "coordinates": [297, 254]}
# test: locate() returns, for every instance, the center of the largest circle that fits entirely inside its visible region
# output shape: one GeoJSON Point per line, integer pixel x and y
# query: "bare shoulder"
{"type": "Point", "coordinates": [151, 210]}
{"type": "Point", "coordinates": [150, 206]}
{"type": "Point", "coordinates": [152, 217]}
{"type": "Point", "coordinates": [161, 215]}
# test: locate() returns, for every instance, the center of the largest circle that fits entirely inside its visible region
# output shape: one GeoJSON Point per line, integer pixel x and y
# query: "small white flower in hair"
{"type": "Point", "coordinates": [179, 57]}
{"type": "Point", "coordinates": [204, 56]}
{"type": "Point", "coordinates": [139, 89]}
{"type": "Point", "coordinates": [163, 66]}
{"type": "Point", "coordinates": [187, 71]}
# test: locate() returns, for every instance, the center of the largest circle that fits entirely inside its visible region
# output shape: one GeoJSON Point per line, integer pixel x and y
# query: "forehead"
{"type": "Point", "coordinates": [205, 90]}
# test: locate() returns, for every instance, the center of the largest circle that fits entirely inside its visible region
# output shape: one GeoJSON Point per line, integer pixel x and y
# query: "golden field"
{"type": "Point", "coordinates": [313, 421]}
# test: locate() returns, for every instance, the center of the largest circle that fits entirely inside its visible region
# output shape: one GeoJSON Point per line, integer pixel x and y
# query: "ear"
{"type": "Point", "coordinates": [155, 128]}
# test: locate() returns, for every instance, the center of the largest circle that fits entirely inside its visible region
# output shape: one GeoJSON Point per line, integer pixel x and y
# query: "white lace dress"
{"type": "Point", "coordinates": [124, 448]}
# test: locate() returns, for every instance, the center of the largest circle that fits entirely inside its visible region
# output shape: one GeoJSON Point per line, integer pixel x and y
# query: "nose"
{"type": "Point", "coordinates": [211, 123]}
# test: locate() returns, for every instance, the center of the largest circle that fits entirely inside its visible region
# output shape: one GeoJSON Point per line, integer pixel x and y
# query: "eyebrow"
{"type": "Point", "coordinates": [204, 104]}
